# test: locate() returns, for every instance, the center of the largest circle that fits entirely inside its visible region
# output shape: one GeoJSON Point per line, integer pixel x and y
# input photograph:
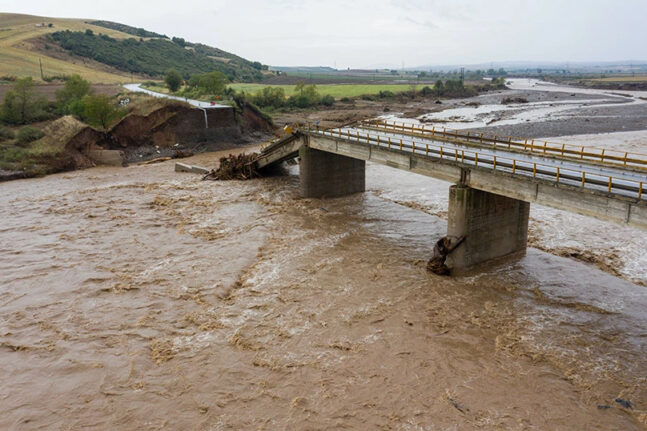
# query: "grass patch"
{"type": "Point", "coordinates": [337, 91]}
{"type": "Point", "coordinates": [638, 78]}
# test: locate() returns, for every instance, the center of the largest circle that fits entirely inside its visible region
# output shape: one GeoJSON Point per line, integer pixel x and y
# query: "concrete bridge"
{"type": "Point", "coordinates": [495, 178]}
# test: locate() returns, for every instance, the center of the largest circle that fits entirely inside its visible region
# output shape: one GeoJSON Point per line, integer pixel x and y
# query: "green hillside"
{"type": "Point", "coordinates": [106, 52]}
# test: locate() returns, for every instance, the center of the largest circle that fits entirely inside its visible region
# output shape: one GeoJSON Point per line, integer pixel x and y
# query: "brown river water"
{"type": "Point", "coordinates": [140, 298]}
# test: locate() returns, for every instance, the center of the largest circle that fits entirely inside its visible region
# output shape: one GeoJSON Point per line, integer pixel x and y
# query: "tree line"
{"type": "Point", "coordinates": [23, 104]}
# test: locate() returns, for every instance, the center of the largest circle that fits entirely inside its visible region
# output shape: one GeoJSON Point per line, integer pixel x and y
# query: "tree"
{"type": "Point", "coordinates": [213, 82]}
{"type": "Point", "coordinates": [98, 111]}
{"type": "Point", "coordinates": [173, 79]}
{"type": "Point", "coordinates": [22, 104]}
{"type": "Point", "coordinates": [75, 89]}
{"type": "Point", "coordinates": [439, 87]}
{"type": "Point", "coordinates": [179, 41]}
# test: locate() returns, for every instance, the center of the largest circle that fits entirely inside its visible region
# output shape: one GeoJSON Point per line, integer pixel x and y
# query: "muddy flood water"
{"type": "Point", "coordinates": [140, 298]}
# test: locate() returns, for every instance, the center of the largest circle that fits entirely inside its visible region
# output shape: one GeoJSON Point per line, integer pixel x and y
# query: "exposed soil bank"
{"type": "Point", "coordinates": [159, 129]}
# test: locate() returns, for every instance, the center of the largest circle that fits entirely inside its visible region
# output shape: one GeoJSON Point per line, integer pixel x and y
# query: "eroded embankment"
{"type": "Point", "coordinates": [154, 128]}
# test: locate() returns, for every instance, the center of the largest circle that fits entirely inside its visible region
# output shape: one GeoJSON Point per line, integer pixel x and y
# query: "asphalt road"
{"type": "Point", "coordinates": [625, 182]}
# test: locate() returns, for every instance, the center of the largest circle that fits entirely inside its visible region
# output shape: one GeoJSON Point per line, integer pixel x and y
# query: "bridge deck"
{"type": "Point", "coordinates": [611, 178]}
{"type": "Point", "coordinates": [585, 181]}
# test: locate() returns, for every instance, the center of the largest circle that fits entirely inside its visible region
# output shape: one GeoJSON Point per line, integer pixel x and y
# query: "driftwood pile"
{"type": "Point", "coordinates": [235, 167]}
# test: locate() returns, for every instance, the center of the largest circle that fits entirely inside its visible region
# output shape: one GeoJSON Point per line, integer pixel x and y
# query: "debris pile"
{"type": "Point", "coordinates": [235, 167]}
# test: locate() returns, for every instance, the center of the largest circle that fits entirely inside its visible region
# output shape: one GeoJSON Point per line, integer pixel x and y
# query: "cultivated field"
{"type": "Point", "coordinates": [637, 78]}
{"type": "Point", "coordinates": [18, 59]}
{"type": "Point", "coordinates": [336, 90]}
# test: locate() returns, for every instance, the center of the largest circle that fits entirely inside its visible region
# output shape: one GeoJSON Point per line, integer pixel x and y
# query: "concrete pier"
{"type": "Point", "coordinates": [325, 174]}
{"type": "Point", "coordinates": [494, 226]}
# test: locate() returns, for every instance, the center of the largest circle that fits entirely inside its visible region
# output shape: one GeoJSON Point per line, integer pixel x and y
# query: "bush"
{"type": "Point", "coordinates": [28, 134]}
{"type": "Point", "coordinates": [270, 96]}
{"type": "Point", "coordinates": [426, 91]}
{"type": "Point", "coordinates": [327, 100]}
{"type": "Point", "coordinates": [385, 94]}
{"type": "Point", "coordinates": [345, 100]}
{"type": "Point", "coordinates": [6, 134]}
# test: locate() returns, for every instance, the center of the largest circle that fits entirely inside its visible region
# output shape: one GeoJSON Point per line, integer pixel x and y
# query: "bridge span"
{"type": "Point", "coordinates": [495, 179]}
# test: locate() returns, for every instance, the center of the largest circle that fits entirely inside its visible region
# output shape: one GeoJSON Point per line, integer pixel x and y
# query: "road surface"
{"type": "Point", "coordinates": [197, 103]}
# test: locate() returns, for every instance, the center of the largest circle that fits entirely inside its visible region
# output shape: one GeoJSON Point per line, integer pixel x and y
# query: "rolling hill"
{"type": "Point", "coordinates": [96, 50]}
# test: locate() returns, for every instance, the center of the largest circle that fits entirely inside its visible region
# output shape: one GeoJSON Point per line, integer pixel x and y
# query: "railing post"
{"type": "Point", "coordinates": [610, 184]}
{"type": "Point", "coordinates": [534, 170]}
{"type": "Point", "coordinates": [514, 166]}
{"type": "Point", "coordinates": [557, 175]}
{"type": "Point", "coordinates": [583, 178]}
{"type": "Point", "coordinates": [494, 164]}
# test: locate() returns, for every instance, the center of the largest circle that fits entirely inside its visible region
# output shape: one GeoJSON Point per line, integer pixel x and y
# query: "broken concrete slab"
{"type": "Point", "coordinates": [183, 167]}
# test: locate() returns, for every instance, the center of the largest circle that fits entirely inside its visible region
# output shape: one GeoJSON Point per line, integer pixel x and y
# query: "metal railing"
{"type": "Point", "coordinates": [525, 168]}
{"type": "Point", "coordinates": [604, 156]}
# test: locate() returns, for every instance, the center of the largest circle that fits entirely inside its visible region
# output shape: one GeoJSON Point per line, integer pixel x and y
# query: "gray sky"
{"type": "Point", "coordinates": [365, 33]}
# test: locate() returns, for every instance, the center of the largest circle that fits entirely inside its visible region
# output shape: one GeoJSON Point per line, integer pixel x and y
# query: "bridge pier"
{"type": "Point", "coordinates": [494, 226]}
{"type": "Point", "coordinates": [325, 174]}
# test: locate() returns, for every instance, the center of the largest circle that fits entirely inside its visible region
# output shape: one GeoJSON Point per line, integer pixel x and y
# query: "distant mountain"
{"type": "Point", "coordinates": [581, 66]}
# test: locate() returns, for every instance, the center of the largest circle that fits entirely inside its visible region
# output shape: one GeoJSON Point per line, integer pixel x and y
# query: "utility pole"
{"type": "Point", "coordinates": [462, 74]}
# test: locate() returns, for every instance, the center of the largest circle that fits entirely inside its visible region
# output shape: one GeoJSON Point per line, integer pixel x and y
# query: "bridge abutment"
{"type": "Point", "coordinates": [494, 226]}
{"type": "Point", "coordinates": [325, 174]}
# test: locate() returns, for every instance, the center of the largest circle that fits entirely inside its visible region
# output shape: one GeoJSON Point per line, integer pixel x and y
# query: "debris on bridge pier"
{"type": "Point", "coordinates": [235, 167]}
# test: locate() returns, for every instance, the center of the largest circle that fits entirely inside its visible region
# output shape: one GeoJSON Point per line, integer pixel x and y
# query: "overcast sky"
{"type": "Point", "coordinates": [376, 33]}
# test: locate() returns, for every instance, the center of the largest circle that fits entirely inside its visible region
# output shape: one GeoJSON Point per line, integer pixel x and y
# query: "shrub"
{"type": "Point", "coordinates": [28, 134]}
{"type": "Point", "coordinates": [327, 100]}
{"type": "Point", "coordinates": [385, 94]}
{"type": "Point", "coordinates": [6, 134]}
{"type": "Point", "coordinates": [426, 91]}
{"type": "Point", "coordinates": [270, 96]}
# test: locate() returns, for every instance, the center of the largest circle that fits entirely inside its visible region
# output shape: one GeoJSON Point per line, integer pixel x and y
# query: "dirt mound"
{"type": "Point", "coordinates": [67, 142]}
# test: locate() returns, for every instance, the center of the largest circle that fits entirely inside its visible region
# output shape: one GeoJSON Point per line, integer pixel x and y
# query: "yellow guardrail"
{"type": "Point", "coordinates": [616, 158]}
{"type": "Point", "coordinates": [510, 165]}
